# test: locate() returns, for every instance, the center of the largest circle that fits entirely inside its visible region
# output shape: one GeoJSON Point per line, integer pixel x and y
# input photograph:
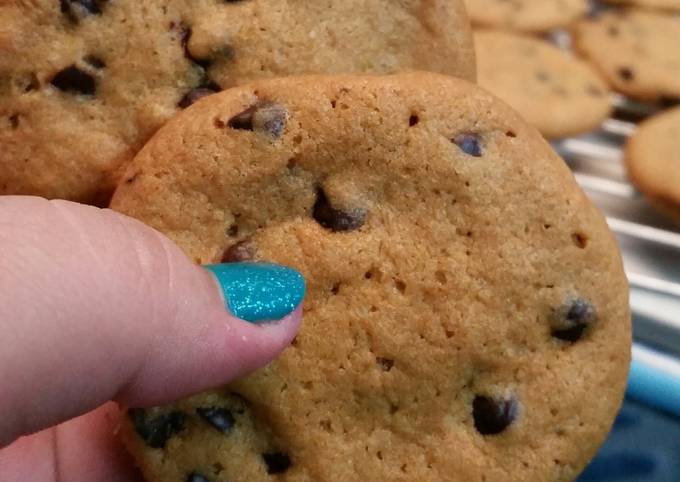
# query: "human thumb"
{"type": "Point", "coordinates": [96, 306]}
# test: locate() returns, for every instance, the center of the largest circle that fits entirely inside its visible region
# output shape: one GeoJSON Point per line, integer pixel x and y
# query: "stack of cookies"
{"type": "Point", "coordinates": [467, 311]}
{"type": "Point", "coordinates": [628, 46]}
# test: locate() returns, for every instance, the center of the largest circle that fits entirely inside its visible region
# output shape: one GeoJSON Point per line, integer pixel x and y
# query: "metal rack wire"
{"type": "Point", "coordinates": [650, 243]}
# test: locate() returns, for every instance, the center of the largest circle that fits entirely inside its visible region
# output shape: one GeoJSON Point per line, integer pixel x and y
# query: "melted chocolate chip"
{"type": "Point", "coordinates": [264, 116]}
{"type": "Point", "coordinates": [385, 364]}
{"type": "Point", "coordinates": [277, 462]}
{"type": "Point", "coordinates": [243, 120]}
{"type": "Point", "coordinates": [335, 219]}
{"type": "Point", "coordinates": [469, 144]}
{"type": "Point", "coordinates": [572, 319]}
{"type": "Point", "coordinates": [195, 94]}
{"type": "Point", "coordinates": [156, 431]}
{"type": "Point", "coordinates": [196, 477]}
{"type": "Point", "coordinates": [95, 61]}
{"type": "Point", "coordinates": [185, 36]}
{"type": "Point", "coordinates": [626, 74]}
{"type": "Point", "coordinates": [492, 416]}
{"type": "Point", "coordinates": [71, 8]}
{"type": "Point", "coordinates": [241, 251]}
{"type": "Point", "coordinates": [270, 118]}
{"type": "Point", "coordinates": [220, 418]}
{"type": "Point", "coordinates": [74, 80]}
{"type": "Point", "coordinates": [224, 52]}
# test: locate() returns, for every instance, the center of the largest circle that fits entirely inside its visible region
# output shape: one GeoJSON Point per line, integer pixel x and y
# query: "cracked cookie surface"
{"type": "Point", "coordinates": [467, 312]}
{"type": "Point", "coordinates": [84, 83]}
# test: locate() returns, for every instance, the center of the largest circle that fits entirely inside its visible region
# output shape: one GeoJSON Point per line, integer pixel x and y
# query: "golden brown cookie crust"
{"type": "Point", "coordinates": [556, 92]}
{"type": "Point", "coordinates": [635, 51]}
{"type": "Point", "coordinates": [84, 83]}
{"type": "Point", "coordinates": [525, 15]}
{"type": "Point", "coordinates": [653, 160]}
{"type": "Point", "coordinates": [452, 262]}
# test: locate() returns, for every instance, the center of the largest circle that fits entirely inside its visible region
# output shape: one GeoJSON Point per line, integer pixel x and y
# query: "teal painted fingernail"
{"type": "Point", "coordinates": [259, 291]}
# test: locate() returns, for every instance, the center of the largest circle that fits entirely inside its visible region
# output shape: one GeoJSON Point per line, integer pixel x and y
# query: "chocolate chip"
{"type": "Point", "coordinates": [185, 36]}
{"type": "Point", "coordinates": [270, 118]}
{"type": "Point", "coordinates": [385, 364]}
{"type": "Point", "coordinates": [243, 120]}
{"type": "Point", "coordinates": [224, 52]}
{"type": "Point", "coordinates": [263, 116]}
{"type": "Point", "coordinates": [469, 144]}
{"type": "Point", "coordinates": [195, 94]}
{"type": "Point", "coordinates": [95, 61]}
{"type": "Point", "coordinates": [220, 418]}
{"type": "Point", "coordinates": [196, 477]}
{"type": "Point", "coordinates": [14, 121]}
{"type": "Point", "coordinates": [156, 431]}
{"type": "Point", "coordinates": [71, 8]}
{"type": "Point", "coordinates": [491, 415]}
{"type": "Point", "coordinates": [74, 80]}
{"type": "Point", "coordinates": [572, 319]}
{"type": "Point", "coordinates": [277, 462]}
{"type": "Point", "coordinates": [666, 102]}
{"type": "Point", "coordinates": [626, 74]}
{"type": "Point", "coordinates": [241, 251]}
{"type": "Point", "coordinates": [335, 219]}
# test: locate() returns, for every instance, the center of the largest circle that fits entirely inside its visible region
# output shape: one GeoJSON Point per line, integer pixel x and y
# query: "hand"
{"type": "Point", "coordinates": [97, 307]}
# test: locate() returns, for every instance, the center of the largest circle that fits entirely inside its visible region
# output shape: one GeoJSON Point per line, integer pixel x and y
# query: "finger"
{"type": "Point", "coordinates": [96, 306]}
{"type": "Point", "coordinates": [81, 450]}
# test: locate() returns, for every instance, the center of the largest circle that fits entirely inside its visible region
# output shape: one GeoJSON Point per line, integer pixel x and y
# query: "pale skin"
{"type": "Point", "coordinates": [97, 310]}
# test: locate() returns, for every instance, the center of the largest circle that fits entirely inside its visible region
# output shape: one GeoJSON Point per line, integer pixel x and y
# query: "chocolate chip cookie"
{"type": "Point", "coordinates": [557, 93]}
{"type": "Point", "coordinates": [526, 15]}
{"type": "Point", "coordinates": [84, 83]}
{"type": "Point", "coordinates": [653, 160]}
{"type": "Point", "coordinates": [671, 5]}
{"type": "Point", "coordinates": [467, 313]}
{"type": "Point", "coordinates": [635, 50]}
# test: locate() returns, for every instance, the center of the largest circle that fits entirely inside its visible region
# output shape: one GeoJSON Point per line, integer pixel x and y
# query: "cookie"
{"type": "Point", "coordinates": [673, 5]}
{"type": "Point", "coordinates": [653, 160]}
{"type": "Point", "coordinates": [636, 51]}
{"type": "Point", "coordinates": [467, 313]}
{"type": "Point", "coordinates": [525, 15]}
{"type": "Point", "coordinates": [559, 94]}
{"type": "Point", "coordinates": [84, 83]}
